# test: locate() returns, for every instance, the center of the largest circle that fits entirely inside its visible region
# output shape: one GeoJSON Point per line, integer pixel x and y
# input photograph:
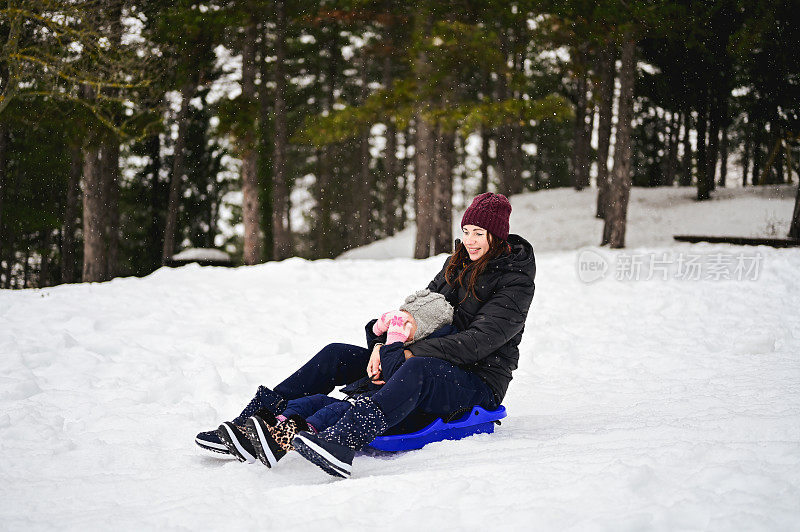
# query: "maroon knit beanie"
{"type": "Point", "coordinates": [491, 212]}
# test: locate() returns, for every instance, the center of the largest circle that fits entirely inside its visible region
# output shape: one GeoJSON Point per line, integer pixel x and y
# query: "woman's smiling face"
{"type": "Point", "coordinates": [476, 240]}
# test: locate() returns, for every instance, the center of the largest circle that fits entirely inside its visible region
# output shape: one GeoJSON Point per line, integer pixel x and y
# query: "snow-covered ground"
{"type": "Point", "coordinates": [660, 404]}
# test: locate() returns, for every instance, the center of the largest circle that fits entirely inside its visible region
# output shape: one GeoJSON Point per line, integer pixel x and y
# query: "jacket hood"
{"type": "Point", "coordinates": [520, 259]}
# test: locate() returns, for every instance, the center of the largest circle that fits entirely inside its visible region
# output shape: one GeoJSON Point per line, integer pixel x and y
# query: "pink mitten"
{"type": "Point", "coordinates": [382, 325]}
{"type": "Point", "coordinates": [399, 329]}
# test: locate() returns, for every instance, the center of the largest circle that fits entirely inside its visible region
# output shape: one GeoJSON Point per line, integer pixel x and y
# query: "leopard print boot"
{"type": "Point", "coordinates": [272, 441]}
{"type": "Point", "coordinates": [284, 432]}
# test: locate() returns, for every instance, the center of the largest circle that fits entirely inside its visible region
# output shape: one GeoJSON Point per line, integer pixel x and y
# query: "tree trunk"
{"type": "Point", "coordinates": [580, 138]}
{"type": "Point", "coordinates": [26, 266]}
{"type": "Point", "coordinates": [288, 218]}
{"type": "Point", "coordinates": [392, 197]}
{"type": "Point", "coordinates": [280, 194]}
{"type": "Point", "coordinates": [365, 187]}
{"type": "Point", "coordinates": [713, 141]}
{"type": "Point", "coordinates": [484, 160]}
{"type": "Point", "coordinates": [502, 154]}
{"type": "Point", "coordinates": [748, 142]}
{"type": "Point", "coordinates": [424, 184]}
{"type": "Point", "coordinates": [251, 211]}
{"type": "Point", "coordinates": [703, 189]}
{"type": "Point", "coordinates": [110, 161]}
{"type": "Point", "coordinates": [605, 91]}
{"type": "Point", "coordinates": [251, 217]}
{"type": "Point", "coordinates": [391, 166]}
{"type": "Point", "coordinates": [110, 176]}
{"type": "Point", "coordinates": [620, 187]}
{"type": "Point", "coordinates": [686, 174]}
{"type": "Point", "coordinates": [5, 267]}
{"type": "Point", "coordinates": [765, 178]}
{"type": "Point", "coordinates": [158, 197]}
{"type": "Point", "coordinates": [443, 196]}
{"type": "Point", "coordinates": [584, 147]}
{"type": "Point", "coordinates": [3, 171]}
{"type": "Point", "coordinates": [513, 159]}
{"type": "Point", "coordinates": [44, 265]}
{"type": "Point", "coordinates": [672, 156]}
{"type": "Point", "coordinates": [266, 136]}
{"type": "Point", "coordinates": [723, 158]}
{"type": "Point", "coordinates": [678, 141]}
{"type": "Point", "coordinates": [322, 212]}
{"type": "Point", "coordinates": [577, 132]}
{"type": "Point", "coordinates": [178, 174]}
{"type": "Point", "coordinates": [520, 46]}
{"type": "Point", "coordinates": [509, 179]}
{"type": "Point", "coordinates": [94, 249]}
{"type": "Point", "coordinates": [327, 241]}
{"type": "Point", "coordinates": [407, 169]}
{"type": "Point", "coordinates": [70, 217]}
{"type": "Point", "coordinates": [13, 239]}
{"type": "Point", "coordinates": [725, 123]}
{"type": "Point", "coordinates": [758, 154]}
{"type": "Point", "coordinates": [363, 190]}
{"type": "Point", "coordinates": [514, 171]}
{"type": "Point", "coordinates": [425, 145]}
{"type": "Point", "coordinates": [794, 227]}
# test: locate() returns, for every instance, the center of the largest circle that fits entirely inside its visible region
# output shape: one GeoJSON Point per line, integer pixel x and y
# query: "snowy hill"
{"type": "Point", "coordinates": [564, 219]}
{"type": "Point", "coordinates": [668, 403]}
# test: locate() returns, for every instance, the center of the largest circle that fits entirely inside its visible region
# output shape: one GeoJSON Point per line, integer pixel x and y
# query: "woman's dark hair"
{"type": "Point", "coordinates": [460, 265]}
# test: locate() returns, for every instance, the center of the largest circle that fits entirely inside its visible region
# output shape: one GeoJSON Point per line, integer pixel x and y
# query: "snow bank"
{"type": "Point", "coordinates": [202, 254]}
{"type": "Point", "coordinates": [661, 404]}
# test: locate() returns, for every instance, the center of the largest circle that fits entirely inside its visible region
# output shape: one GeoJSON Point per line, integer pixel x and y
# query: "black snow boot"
{"type": "Point", "coordinates": [272, 439]}
{"type": "Point", "coordinates": [333, 449]}
{"type": "Point", "coordinates": [264, 398]}
{"type": "Point", "coordinates": [235, 440]}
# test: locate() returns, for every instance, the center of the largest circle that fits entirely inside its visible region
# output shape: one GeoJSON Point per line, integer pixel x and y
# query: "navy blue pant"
{"type": "Point", "coordinates": [319, 411]}
{"type": "Point", "coordinates": [425, 384]}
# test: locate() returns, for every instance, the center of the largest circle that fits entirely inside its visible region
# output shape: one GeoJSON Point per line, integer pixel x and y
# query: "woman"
{"type": "Point", "coordinates": [489, 280]}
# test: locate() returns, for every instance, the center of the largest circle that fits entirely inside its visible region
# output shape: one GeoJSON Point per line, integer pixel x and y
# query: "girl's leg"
{"type": "Point", "coordinates": [329, 415]}
{"type": "Point", "coordinates": [334, 365]}
{"type": "Point", "coordinates": [306, 407]}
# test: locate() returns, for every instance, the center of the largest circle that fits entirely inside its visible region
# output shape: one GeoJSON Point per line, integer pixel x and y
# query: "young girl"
{"type": "Point", "coordinates": [422, 315]}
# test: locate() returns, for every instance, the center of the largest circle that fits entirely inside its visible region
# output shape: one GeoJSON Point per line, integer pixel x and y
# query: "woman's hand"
{"type": "Point", "coordinates": [374, 365]}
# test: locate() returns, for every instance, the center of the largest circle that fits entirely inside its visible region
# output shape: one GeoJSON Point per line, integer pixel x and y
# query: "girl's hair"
{"type": "Point", "coordinates": [460, 265]}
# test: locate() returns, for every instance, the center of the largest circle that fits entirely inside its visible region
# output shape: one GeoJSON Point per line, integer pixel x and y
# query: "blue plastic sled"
{"type": "Point", "coordinates": [476, 421]}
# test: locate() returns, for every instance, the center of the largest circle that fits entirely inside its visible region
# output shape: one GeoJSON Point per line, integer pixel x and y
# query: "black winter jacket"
{"type": "Point", "coordinates": [491, 328]}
